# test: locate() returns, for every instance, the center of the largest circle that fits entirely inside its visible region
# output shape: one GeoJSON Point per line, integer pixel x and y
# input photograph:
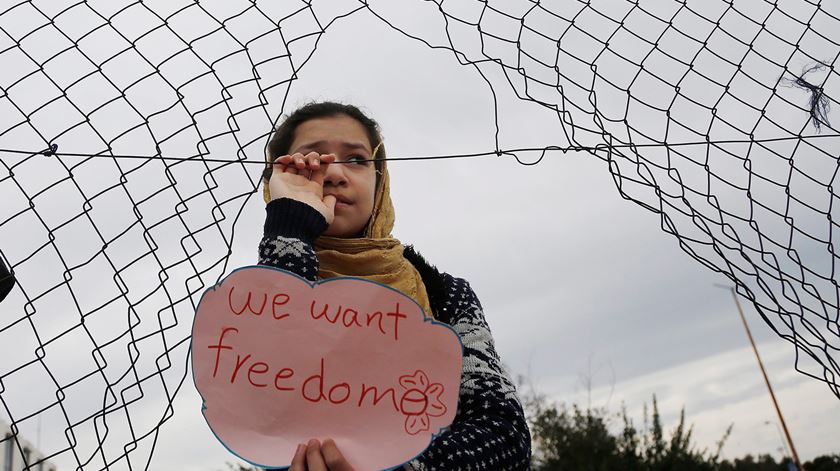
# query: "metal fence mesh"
{"type": "Point", "coordinates": [132, 134]}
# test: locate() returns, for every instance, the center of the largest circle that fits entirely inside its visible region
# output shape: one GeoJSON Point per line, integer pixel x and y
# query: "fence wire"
{"type": "Point", "coordinates": [132, 135]}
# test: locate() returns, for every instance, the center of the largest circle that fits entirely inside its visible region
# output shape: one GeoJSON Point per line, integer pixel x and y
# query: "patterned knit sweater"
{"type": "Point", "coordinates": [489, 431]}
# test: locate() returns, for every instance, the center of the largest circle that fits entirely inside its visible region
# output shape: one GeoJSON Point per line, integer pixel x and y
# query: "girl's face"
{"type": "Point", "coordinates": [353, 183]}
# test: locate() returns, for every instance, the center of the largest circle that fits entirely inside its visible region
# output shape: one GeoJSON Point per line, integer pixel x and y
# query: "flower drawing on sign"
{"type": "Point", "coordinates": [420, 401]}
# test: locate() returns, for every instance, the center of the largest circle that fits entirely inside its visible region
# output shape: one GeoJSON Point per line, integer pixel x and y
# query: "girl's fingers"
{"type": "Point", "coordinates": [317, 177]}
{"type": "Point", "coordinates": [312, 165]}
{"type": "Point", "coordinates": [318, 165]}
{"type": "Point", "coordinates": [312, 160]}
{"type": "Point", "coordinates": [287, 159]}
{"type": "Point", "coordinates": [314, 459]}
{"type": "Point", "coordinates": [318, 174]}
{"type": "Point", "coordinates": [333, 457]}
{"type": "Point", "coordinates": [282, 163]}
{"type": "Point", "coordinates": [278, 164]}
{"type": "Point", "coordinates": [299, 460]}
{"type": "Point", "coordinates": [298, 161]}
{"type": "Point", "coordinates": [329, 201]}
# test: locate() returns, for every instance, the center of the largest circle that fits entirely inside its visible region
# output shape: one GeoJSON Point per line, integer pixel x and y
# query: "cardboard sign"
{"type": "Point", "coordinates": [279, 360]}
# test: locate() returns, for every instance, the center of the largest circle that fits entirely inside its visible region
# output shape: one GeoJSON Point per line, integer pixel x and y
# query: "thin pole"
{"type": "Point", "coordinates": [767, 382]}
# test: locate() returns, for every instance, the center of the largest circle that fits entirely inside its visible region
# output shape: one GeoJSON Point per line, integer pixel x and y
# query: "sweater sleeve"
{"type": "Point", "coordinates": [489, 430]}
{"type": "Point", "coordinates": [290, 230]}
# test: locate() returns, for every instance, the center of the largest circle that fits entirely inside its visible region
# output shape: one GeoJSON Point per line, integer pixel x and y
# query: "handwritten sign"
{"type": "Point", "coordinates": [279, 360]}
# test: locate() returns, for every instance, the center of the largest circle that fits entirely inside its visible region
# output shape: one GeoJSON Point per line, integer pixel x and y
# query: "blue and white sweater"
{"type": "Point", "coordinates": [489, 431]}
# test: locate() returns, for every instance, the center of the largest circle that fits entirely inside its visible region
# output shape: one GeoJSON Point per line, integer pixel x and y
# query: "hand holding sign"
{"type": "Point", "coordinates": [315, 456]}
{"type": "Point", "coordinates": [279, 361]}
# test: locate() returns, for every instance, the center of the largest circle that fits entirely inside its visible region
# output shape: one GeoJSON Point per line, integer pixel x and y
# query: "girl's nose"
{"type": "Point", "coordinates": [335, 175]}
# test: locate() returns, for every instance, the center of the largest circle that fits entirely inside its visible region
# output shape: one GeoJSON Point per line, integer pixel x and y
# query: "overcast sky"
{"type": "Point", "coordinates": [585, 294]}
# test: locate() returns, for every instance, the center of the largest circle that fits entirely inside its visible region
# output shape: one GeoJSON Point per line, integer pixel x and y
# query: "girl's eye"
{"type": "Point", "coordinates": [358, 159]}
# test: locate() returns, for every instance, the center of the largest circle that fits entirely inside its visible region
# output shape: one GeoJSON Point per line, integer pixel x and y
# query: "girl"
{"type": "Point", "coordinates": [329, 213]}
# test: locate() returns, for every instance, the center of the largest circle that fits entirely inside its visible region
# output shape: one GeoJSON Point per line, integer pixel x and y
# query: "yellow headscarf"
{"type": "Point", "coordinates": [377, 256]}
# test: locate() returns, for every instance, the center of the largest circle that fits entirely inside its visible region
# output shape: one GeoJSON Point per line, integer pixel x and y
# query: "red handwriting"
{"type": "Point", "coordinates": [377, 397]}
{"type": "Point", "coordinates": [331, 396]}
{"type": "Point", "coordinates": [255, 370]}
{"type": "Point", "coordinates": [220, 346]}
{"type": "Point", "coordinates": [279, 299]}
{"type": "Point", "coordinates": [284, 373]}
{"type": "Point", "coordinates": [350, 317]}
{"type": "Point", "coordinates": [387, 323]}
{"type": "Point", "coordinates": [316, 388]}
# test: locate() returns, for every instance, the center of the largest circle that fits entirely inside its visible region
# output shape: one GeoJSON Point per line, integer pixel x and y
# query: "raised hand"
{"type": "Point", "coordinates": [301, 177]}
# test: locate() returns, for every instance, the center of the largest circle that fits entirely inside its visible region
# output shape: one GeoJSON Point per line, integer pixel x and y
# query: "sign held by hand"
{"type": "Point", "coordinates": [279, 360]}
